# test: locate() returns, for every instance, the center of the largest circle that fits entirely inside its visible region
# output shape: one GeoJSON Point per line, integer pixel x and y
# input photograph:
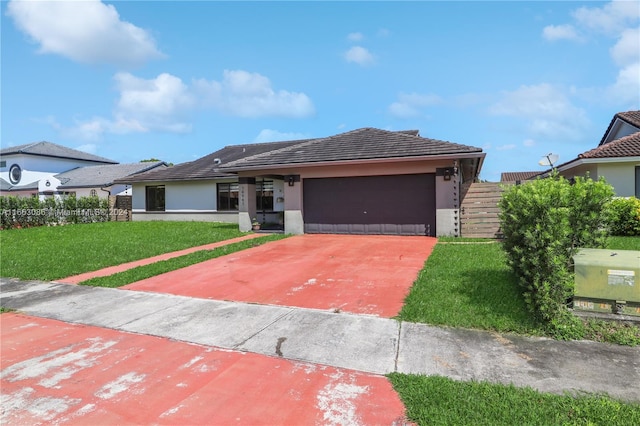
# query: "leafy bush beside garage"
{"type": "Point", "coordinates": [544, 223]}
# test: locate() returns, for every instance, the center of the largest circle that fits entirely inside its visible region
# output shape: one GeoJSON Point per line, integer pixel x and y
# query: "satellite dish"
{"type": "Point", "coordinates": [549, 160]}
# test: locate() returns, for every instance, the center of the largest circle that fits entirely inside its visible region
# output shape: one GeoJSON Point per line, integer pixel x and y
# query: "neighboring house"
{"type": "Point", "coordinates": [515, 177]}
{"type": "Point", "coordinates": [96, 180]}
{"type": "Point", "coordinates": [366, 181]}
{"type": "Point", "coordinates": [616, 158]}
{"type": "Point", "coordinates": [23, 166]}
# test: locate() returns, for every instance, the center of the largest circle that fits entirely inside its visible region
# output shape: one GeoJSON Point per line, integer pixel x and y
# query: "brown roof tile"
{"type": "Point", "coordinates": [628, 146]}
{"type": "Point", "coordinates": [516, 176]}
{"type": "Point", "coordinates": [361, 144]}
{"type": "Point", "coordinates": [630, 117]}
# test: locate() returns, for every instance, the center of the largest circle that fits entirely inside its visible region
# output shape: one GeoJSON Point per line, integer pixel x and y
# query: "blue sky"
{"type": "Point", "coordinates": [177, 80]}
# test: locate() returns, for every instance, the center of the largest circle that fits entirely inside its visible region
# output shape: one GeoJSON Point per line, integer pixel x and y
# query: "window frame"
{"type": "Point", "coordinates": [159, 203]}
{"type": "Point", "coordinates": [228, 188]}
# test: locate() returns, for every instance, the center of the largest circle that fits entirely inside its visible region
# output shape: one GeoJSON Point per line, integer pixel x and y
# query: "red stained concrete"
{"type": "Point", "coordinates": [58, 373]}
{"type": "Point", "coordinates": [125, 266]}
{"type": "Point", "coordinates": [363, 274]}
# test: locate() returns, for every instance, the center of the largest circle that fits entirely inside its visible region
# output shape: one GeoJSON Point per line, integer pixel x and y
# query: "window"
{"type": "Point", "coordinates": [155, 198]}
{"type": "Point", "coordinates": [3, 164]}
{"type": "Point", "coordinates": [93, 193]}
{"type": "Point", "coordinates": [15, 174]}
{"type": "Point", "coordinates": [264, 196]}
{"type": "Point", "coordinates": [637, 181]}
{"type": "Point", "coordinates": [227, 196]}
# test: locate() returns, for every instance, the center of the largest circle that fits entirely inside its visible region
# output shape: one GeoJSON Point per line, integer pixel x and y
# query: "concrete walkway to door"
{"type": "Point", "coordinates": [362, 274]}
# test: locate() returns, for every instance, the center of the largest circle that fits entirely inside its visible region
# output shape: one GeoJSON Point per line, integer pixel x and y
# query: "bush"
{"type": "Point", "coordinates": [26, 212]}
{"type": "Point", "coordinates": [544, 223]}
{"type": "Point", "coordinates": [624, 216]}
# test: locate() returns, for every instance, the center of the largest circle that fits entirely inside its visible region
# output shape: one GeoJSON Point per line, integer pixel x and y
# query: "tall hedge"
{"type": "Point", "coordinates": [544, 223]}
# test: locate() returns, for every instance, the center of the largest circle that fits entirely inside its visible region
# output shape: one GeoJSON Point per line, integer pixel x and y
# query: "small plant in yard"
{"type": "Point", "coordinates": [544, 223]}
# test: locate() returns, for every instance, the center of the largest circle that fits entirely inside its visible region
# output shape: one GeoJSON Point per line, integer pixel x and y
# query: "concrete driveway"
{"type": "Point", "coordinates": [59, 373]}
{"type": "Point", "coordinates": [362, 274]}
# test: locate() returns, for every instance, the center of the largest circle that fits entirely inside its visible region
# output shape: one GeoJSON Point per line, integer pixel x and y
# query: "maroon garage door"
{"type": "Point", "coordinates": [399, 204]}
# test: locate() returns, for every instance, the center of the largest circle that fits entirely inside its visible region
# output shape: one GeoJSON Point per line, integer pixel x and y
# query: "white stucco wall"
{"type": "Point", "coordinates": [181, 196]}
{"type": "Point", "coordinates": [621, 176]}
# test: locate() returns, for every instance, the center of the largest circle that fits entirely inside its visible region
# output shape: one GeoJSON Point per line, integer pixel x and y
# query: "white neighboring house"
{"type": "Point", "coordinates": [95, 180]}
{"type": "Point", "coordinates": [616, 158]}
{"type": "Point", "coordinates": [46, 169]}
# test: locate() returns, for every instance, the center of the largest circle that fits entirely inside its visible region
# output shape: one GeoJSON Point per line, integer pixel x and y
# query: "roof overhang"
{"type": "Point", "coordinates": [457, 156]}
{"type": "Point", "coordinates": [584, 161]}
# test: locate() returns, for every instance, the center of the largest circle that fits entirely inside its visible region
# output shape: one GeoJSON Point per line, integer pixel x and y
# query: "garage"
{"type": "Point", "coordinates": [395, 204]}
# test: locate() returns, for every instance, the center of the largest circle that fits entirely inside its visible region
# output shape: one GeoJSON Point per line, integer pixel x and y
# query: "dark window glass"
{"type": "Point", "coordinates": [637, 181]}
{"type": "Point", "coordinates": [155, 198]}
{"type": "Point", "coordinates": [264, 196]}
{"type": "Point", "coordinates": [227, 196]}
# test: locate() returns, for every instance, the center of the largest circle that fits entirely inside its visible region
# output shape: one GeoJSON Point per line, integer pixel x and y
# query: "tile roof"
{"type": "Point", "coordinates": [627, 146]}
{"type": "Point", "coordinates": [49, 149]}
{"type": "Point", "coordinates": [361, 144]}
{"type": "Point", "coordinates": [104, 175]}
{"type": "Point", "coordinates": [630, 117]}
{"type": "Point", "coordinates": [206, 167]}
{"type": "Point", "coordinates": [517, 176]}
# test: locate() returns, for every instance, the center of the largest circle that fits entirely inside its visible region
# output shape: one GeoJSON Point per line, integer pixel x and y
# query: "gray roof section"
{"type": "Point", "coordinates": [6, 186]}
{"type": "Point", "coordinates": [48, 149]}
{"type": "Point", "coordinates": [95, 176]}
{"type": "Point", "coordinates": [361, 144]}
{"type": "Point", "coordinates": [206, 167]}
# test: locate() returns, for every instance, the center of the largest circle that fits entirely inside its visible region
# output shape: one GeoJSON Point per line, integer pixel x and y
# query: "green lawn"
{"type": "Point", "coordinates": [441, 401]}
{"type": "Point", "coordinates": [50, 253]}
{"type": "Point", "coordinates": [624, 243]}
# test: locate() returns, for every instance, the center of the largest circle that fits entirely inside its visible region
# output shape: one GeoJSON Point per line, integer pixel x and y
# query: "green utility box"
{"type": "Point", "coordinates": [607, 281]}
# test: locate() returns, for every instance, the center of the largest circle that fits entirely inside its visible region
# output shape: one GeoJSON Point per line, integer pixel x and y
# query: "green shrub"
{"type": "Point", "coordinates": [624, 216]}
{"type": "Point", "coordinates": [544, 222]}
{"type": "Point", "coordinates": [26, 212]}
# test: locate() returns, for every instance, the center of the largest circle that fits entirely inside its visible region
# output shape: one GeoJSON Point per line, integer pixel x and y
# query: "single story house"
{"type": "Point", "coordinates": [616, 158]}
{"type": "Point", "coordinates": [365, 181]}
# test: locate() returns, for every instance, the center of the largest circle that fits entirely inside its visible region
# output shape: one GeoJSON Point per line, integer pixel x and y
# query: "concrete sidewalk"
{"type": "Point", "coordinates": [358, 342]}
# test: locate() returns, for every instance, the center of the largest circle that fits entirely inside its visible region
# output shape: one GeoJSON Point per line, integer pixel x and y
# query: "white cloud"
{"type": "Point", "coordinates": [269, 135]}
{"type": "Point", "coordinates": [610, 18]}
{"type": "Point", "coordinates": [355, 37]}
{"type": "Point", "coordinates": [411, 105]}
{"type": "Point", "coordinates": [507, 147]}
{"type": "Point", "coordinates": [547, 111]}
{"type": "Point", "coordinates": [84, 31]}
{"type": "Point", "coordinates": [529, 142]}
{"type": "Point", "coordinates": [383, 32]}
{"type": "Point", "coordinates": [152, 100]}
{"type": "Point", "coordinates": [359, 55]}
{"type": "Point", "coordinates": [618, 20]}
{"type": "Point", "coordinates": [560, 32]}
{"type": "Point", "coordinates": [627, 50]}
{"type": "Point", "coordinates": [245, 94]}
{"type": "Point", "coordinates": [163, 103]}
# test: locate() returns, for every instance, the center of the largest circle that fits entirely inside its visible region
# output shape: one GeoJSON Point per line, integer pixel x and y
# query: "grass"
{"type": "Point", "coordinates": [468, 286]}
{"type": "Point", "coordinates": [437, 400]}
{"type": "Point", "coordinates": [471, 286]}
{"type": "Point", "coordinates": [151, 270]}
{"type": "Point", "coordinates": [50, 253]}
{"type": "Point", "coordinates": [624, 243]}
